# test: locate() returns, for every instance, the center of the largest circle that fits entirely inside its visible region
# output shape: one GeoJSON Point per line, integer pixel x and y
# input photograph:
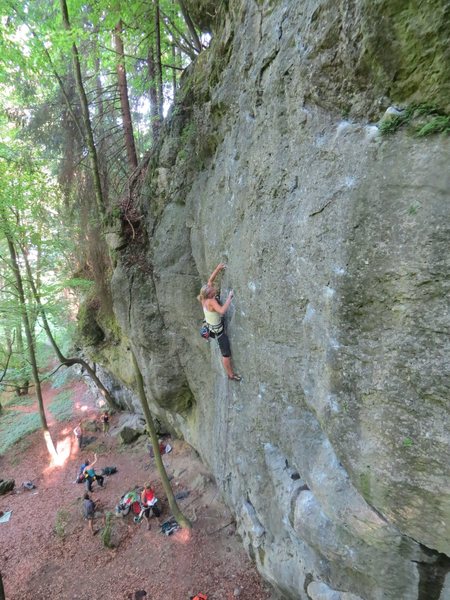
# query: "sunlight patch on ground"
{"type": "Point", "coordinates": [183, 536]}
{"type": "Point", "coordinates": [63, 450]}
{"type": "Point", "coordinates": [49, 443]}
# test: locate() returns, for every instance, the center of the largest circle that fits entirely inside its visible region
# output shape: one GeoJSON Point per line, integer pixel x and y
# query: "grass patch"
{"type": "Point", "coordinates": [63, 376]}
{"type": "Point", "coordinates": [20, 401]}
{"type": "Point", "coordinates": [14, 426]}
{"type": "Point", "coordinates": [61, 406]}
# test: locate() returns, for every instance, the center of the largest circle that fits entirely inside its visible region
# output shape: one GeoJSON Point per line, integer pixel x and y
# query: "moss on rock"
{"type": "Point", "coordinates": [88, 327]}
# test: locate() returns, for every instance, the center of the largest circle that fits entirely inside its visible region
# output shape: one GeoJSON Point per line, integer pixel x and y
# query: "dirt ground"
{"type": "Point", "coordinates": [47, 551]}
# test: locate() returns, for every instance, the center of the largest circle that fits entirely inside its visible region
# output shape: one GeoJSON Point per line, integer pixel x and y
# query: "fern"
{"type": "Point", "coordinates": [107, 531]}
{"type": "Point", "coordinates": [439, 124]}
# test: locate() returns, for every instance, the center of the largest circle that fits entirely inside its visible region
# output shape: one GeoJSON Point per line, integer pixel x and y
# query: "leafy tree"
{"type": "Point", "coordinates": [86, 86]}
{"type": "Point", "coordinates": [124, 101]}
{"type": "Point", "coordinates": [88, 132]}
{"type": "Point", "coordinates": [8, 233]}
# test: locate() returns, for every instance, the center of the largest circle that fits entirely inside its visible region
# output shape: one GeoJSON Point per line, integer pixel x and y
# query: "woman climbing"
{"type": "Point", "coordinates": [213, 317]}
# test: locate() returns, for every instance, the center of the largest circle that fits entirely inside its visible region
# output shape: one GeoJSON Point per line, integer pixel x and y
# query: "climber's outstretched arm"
{"type": "Point", "coordinates": [220, 267]}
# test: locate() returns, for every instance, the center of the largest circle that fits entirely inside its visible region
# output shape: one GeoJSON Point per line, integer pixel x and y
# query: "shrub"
{"type": "Point", "coordinates": [15, 425]}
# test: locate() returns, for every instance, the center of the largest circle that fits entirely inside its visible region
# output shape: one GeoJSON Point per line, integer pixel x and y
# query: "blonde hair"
{"type": "Point", "coordinates": [205, 290]}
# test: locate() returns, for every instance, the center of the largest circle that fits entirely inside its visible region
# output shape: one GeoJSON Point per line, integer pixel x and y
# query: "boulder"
{"type": "Point", "coordinates": [128, 435]}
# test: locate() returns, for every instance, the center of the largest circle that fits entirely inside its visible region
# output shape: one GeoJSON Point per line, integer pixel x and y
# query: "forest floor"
{"type": "Point", "coordinates": [48, 552]}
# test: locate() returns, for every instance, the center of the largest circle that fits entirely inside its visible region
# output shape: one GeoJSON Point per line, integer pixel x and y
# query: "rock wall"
{"type": "Point", "coordinates": [333, 450]}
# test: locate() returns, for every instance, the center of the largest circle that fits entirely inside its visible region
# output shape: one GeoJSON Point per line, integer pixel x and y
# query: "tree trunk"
{"type": "Point", "coordinates": [22, 385]}
{"type": "Point", "coordinates": [176, 512]}
{"type": "Point", "coordinates": [175, 63]}
{"type": "Point", "coordinates": [124, 102]}
{"type": "Point", "coordinates": [68, 362]}
{"type": "Point", "coordinates": [154, 112]}
{"type": "Point", "coordinates": [101, 118]}
{"type": "Point", "coordinates": [158, 63]}
{"type": "Point", "coordinates": [89, 136]}
{"type": "Point", "coordinates": [9, 351]}
{"type": "Point", "coordinates": [29, 336]}
{"type": "Point", "coordinates": [190, 25]}
{"type": "Point", "coordinates": [174, 72]}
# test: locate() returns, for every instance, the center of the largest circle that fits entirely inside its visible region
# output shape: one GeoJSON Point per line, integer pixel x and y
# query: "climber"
{"type": "Point", "coordinates": [90, 475]}
{"type": "Point", "coordinates": [213, 317]}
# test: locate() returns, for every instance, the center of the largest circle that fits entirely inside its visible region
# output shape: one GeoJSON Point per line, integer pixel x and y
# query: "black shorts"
{"type": "Point", "coordinates": [224, 343]}
{"type": "Point", "coordinates": [155, 510]}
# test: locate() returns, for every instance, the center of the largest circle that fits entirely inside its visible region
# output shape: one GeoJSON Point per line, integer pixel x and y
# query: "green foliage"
{"type": "Point", "coordinates": [187, 141]}
{"type": "Point", "coordinates": [46, 198]}
{"type": "Point", "coordinates": [438, 124]}
{"type": "Point", "coordinates": [62, 377]}
{"type": "Point", "coordinates": [106, 533]}
{"type": "Point", "coordinates": [422, 119]}
{"type": "Point", "coordinates": [15, 425]}
{"type": "Point", "coordinates": [392, 124]}
{"type": "Point", "coordinates": [413, 209]}
{"type": "Point", "coordinates": [407, 442]}
{"type": "Point", "coordinates": [62, 519]}
{"type": "Point", "coordinates": [61, 406]}
{"type": "Point", "coordinates": [20, 401]}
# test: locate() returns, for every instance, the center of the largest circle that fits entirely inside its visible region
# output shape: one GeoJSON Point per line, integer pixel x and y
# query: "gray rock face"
{"type": "Point", "coordinates": [333, 450]}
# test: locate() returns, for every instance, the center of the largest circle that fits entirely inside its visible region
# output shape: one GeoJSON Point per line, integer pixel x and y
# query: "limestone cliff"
{"type": "Point", "coordinates": [333, 450]}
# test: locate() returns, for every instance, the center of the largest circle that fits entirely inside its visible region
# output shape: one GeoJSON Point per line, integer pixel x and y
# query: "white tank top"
{"type": "Point", "coordinates": [212, 317]}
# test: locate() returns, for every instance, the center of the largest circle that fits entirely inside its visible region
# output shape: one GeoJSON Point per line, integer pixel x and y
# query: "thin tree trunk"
{"type": "Point", "coordinates": [174, 72]}
{"type": "Point", "coordinates": [32, 310]}
{"type": "Point", "coordinates": [154, 112]}
{"type": "Point", "coordinates": [22, 387]}
{"type": "Point", "coordinates": [124, 102]}
{"type": "Point", "coordinates": [158, 63]}
{"type": "Point", "coordinates": [174, 61]}
{"type": "Point", "coordinates": [30, 341]}
{"type": "Point", "coordinates": [190, 25]}
{"type": "Point", "coordinates": [9, 351]}
{"type": "Point", "coordinates": [89, 136]}
{"type": "Point", "coordinates": [68, 362]}
{"type": "Point", "coordinates": [101, 118]}
{"type": "Point", "coordinates": [176, 512]}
